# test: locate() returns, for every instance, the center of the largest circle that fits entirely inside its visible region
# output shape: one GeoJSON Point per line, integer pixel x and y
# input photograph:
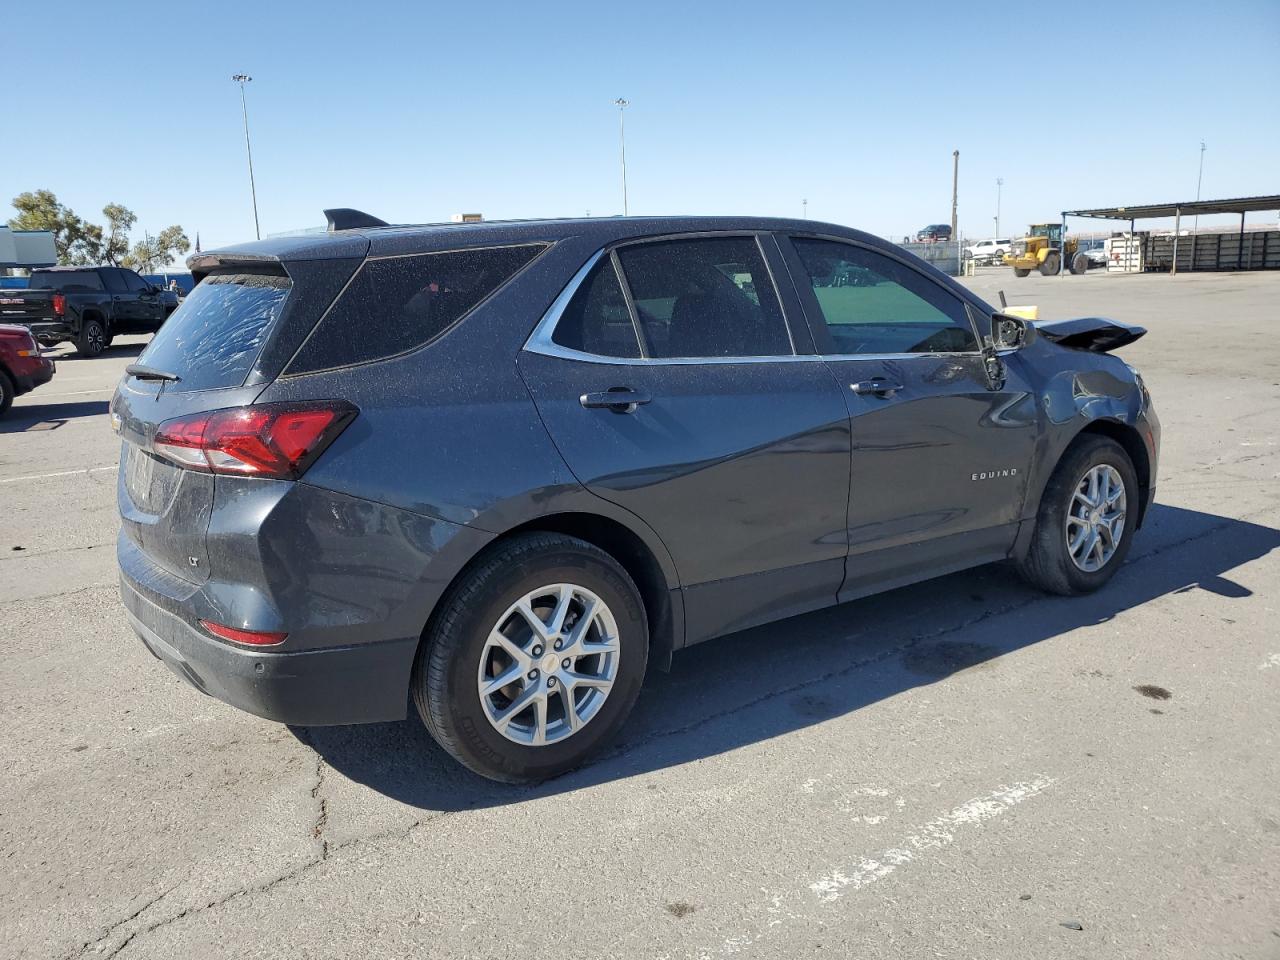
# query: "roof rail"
{"type": "Point", "coordinates": [344, 218]}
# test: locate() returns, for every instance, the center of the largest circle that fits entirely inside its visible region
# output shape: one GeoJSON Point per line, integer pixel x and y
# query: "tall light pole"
{"type": "Point", "coordinates": [1199, 176]}
{"type": "Point", "coordinates": [999, 185]}
{"type": "Point", "coordinates": [955, 189]}
{"type": "Point", "coordinates": [622, 139]}
{"type": "Point", "coordinates": [804, 205]}
{"type": "Point", "coordinates": [242, 79]}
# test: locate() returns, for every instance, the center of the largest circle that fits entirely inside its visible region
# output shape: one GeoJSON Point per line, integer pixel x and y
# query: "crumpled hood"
{"type": "Point", "coordinates": [1097, 334]}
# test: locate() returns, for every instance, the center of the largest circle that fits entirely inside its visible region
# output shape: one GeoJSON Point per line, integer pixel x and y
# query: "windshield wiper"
{"type": "Point", "coordinates": [143, 372]}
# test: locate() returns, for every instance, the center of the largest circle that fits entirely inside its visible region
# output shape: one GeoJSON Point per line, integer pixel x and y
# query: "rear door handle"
{"type": "Point", "coordinates": [879, 387]}
{"type": "Point", "coordinates": [617, 399]}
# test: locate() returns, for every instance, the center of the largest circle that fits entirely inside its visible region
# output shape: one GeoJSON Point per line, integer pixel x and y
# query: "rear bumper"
{"type": "Point", "coordinates": [50, 331]}
{"type": "Point", "coordinates": [355, 684]}
{"type": "Point", "coordinates": [31, 372]}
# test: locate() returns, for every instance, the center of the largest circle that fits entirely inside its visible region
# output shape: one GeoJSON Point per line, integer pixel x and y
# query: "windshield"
{"type": "Point", "coordinates": [213, 338]}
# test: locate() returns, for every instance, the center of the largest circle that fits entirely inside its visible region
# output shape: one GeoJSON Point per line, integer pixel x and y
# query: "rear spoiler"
{"type": "Point", "coordinates": [1097, 334]}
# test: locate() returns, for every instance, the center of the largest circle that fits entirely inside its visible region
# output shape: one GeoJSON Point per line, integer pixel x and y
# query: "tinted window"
{"type": "Point", "coordinates": [68, 281]}
{"type": "Point", "coordinates": [398, 303]}
{"type": "Point", "coordinates": [133, 283]}
{"type": "Point", "coordinates": [114, 279]}
{"type": "Point", "coordinates": [707, 297]}
{"type": "Point", "coordinates": [596, 319]}
{"type": "Point", "coordinates": [215, 335]}
{"type": "Point", "coordinates": [873, 304]}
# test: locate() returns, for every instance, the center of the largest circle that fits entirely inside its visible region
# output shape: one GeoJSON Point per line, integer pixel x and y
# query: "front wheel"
{"type": "Point", "coordinates": [92, 340]}
{"type": "Point", "coordinates": [1050, 266]}
{"type": "Point", "coordinates": [1019, 272]}
{"type": "Point", "coordinates": [1086, 519]}
{"type": "Point", "coordinates": [1079, 264]}
{"type": "Point", "coordinates": [7, 392]}
{"type": "Point", "coordinates": [534, 658]}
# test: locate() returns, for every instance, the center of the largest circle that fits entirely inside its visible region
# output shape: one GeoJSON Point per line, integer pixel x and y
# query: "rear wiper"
{"type": "Point", "coordinates": [143, 372]}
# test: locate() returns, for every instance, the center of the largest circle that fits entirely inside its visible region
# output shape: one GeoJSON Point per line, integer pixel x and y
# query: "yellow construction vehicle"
{"type": "Point", "coordinates": [1041, 249]}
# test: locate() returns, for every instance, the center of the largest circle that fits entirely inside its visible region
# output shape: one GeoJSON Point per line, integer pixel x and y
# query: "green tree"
{"type": "Point", "coordinates": [40, 210]}
{"type": "Point", "coordinates": [153, 252]}
{"type": "Point", "coordinates": [120, 220]}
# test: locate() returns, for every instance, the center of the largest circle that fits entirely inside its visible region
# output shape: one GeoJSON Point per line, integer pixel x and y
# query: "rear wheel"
{"type": "Point", "coordinates": [1050, 266]}
{"type": "Point", "coordinates": [7, 392]}
{"type": "Point", "coordinates": [92, 340]}
{"type": "Point", "coordinates": [1019, 272]}
{"type": "Point", "coordinates": [1086, 519]}
{"type": "Point", "coordinates": [534, 659]}
{"type": "Point", "coordinates": [1079, 263]}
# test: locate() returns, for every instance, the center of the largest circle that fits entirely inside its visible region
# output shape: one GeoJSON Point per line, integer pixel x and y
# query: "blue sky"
{"type": "Point", "coordinates": [415, 111]}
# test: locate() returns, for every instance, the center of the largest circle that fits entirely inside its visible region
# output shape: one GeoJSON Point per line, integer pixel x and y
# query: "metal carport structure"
{"type": "Point", "coordinates": [1151, 211]}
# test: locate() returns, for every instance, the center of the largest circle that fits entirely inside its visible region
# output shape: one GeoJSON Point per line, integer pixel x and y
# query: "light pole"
{"type": "Point", "coordinates": [804, 204]}
{"type": "Point", "coordinates": [242, 79]}
{"type": "Point", "coordinates": [999, 185]}
{"type": "Point", "coordinates": [1195, 228]}
{"type": "Point", "coordinates": [622, 139]}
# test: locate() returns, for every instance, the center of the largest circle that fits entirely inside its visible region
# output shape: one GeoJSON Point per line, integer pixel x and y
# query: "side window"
{"type": "Point", "coordinates": [133, 283]}
{"type": "Point", "coordinates": [395, 304]}
{"type": "Point", "coordinates": [596, 319]}
{"type": "Point", "coordinates": [872, 304]}
{"type": "Point", "coordinates": [114, 280]}
{"type": "Point", "coordinates": [705, 297]}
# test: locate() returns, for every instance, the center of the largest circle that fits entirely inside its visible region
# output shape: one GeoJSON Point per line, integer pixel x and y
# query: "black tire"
{"type": "Point", "coordinates": [445, 673]}
{"type": "Point", "coordinates": [1079, 264]}
{"type": "Point", "coordinates": [1050, 266]}
{"type": "Point", "coordinates": [7, 392]}
{"type": "Point", "coordinates": [1047, 563]}
{"type": "Point", "coordinates": [93, 338]}
{"type": "Point", "coordinates": [1019, 272]}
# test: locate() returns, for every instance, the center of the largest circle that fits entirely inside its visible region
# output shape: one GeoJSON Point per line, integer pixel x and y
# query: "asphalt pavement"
{"type": "Point", "coordinates": [963, 768]}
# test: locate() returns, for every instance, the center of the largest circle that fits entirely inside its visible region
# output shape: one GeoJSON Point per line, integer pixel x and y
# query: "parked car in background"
{"type": "Point", "coordinates": [935, 231]}
{"type": "Point", "coordinates": [87, 306]}
{"type": "Point", "coordinates": [1095, 250]}
{"type": "Point", "coordinates": [989, 251]}
{"type": "Point", "coordinates": [504, 467]}
{"type": "Point", "coordinates": [22, 368]}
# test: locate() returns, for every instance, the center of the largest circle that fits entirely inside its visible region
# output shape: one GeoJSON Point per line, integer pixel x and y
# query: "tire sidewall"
{"type": "Point", "coordinates": [1096, 452]}
{"type": "Point", "coordinates": [457, 708]}
{"type": "Point", "coordinates": [84, 344]}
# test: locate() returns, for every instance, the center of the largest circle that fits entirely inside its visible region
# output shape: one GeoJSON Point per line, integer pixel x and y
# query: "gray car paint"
{"type": "Point", "coordinates": [736, 481]}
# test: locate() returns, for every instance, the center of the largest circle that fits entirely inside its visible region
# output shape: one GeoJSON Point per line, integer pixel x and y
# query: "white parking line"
{"type": "Point", "coordinates": [794, 908]}
{"type": "Point", "coordinates": [74, 393]}
{"type": "Point", "coordinates": [60, 473]}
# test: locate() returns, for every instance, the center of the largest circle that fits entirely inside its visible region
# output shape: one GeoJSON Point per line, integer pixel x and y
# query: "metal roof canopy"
{"type": "Point", "coordinates": [1239, 205]}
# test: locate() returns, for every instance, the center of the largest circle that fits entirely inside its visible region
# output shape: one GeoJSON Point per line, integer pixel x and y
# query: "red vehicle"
{"type": "Point", "coordinates": [22, 369]}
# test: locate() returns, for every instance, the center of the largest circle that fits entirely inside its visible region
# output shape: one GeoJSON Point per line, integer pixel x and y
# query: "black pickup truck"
{"type": "Point", "coordinates": [86, 306]}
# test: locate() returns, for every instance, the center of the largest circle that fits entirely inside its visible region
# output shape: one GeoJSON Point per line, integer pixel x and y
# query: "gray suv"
{"type": "Point", "coordinates": [501, 469]}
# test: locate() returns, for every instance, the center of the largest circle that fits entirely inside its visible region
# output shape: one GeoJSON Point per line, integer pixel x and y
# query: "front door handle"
{"type": "Point", "coordinates": [879, 387]}
{"type": "Point", "coordinates": [617, 399]}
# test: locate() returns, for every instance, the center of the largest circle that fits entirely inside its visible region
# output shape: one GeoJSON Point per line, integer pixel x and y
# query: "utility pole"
{"type": "Point", "coordinates": [955, 187]}
{"type": "Point", "coordinates": [999, 184]}
{"type": "Point", "coordinates": [1199, 177]}
{"type": "Point", "coordinates": [622, 133]}
{"type": "Point", "coordinates": [804, 206]}
{"type": "Point", "coordinates": [242, 79]}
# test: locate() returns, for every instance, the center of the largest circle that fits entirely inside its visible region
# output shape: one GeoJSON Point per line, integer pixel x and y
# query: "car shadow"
{"type": "Point", "coordinates": [115, 350]}
{"type": "Point", "coordinates": [48, 416]}
{"type": "Point", "coordinates": [772, 680]}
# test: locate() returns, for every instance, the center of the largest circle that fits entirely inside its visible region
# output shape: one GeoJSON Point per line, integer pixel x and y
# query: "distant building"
{"type": "Point", "coordinates": [467, 218]}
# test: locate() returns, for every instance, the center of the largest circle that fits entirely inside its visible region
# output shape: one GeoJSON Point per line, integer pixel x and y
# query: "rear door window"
{"type": "Point", "coordinates": [213, 338]}
{"type": "Point", "coordinates": [133, 283]}
{"type": "Point", "coordinates": [395, 304]}
{"type": "Point", "coordinates": [705, 297]}
{"type": "Point", "coordinates": [597, 320]}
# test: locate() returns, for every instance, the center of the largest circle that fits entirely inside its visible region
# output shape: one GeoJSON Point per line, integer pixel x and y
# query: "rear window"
{"type": "Point", "coordinates": [395, 304]}
{"type": "Point", "coordinates": [68, 281]}
{"type": "Point", "coordinates": [213, 338]}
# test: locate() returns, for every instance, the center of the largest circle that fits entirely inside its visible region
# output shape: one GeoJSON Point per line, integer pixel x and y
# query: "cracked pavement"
{"type": "Point", "coordinates": [960, 768]}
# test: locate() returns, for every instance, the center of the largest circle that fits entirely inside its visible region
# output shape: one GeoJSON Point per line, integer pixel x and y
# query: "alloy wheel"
{"type": "Point", "coordinates": [548, 664]}
{"type": "Point", "coordinates": [1096, 517]}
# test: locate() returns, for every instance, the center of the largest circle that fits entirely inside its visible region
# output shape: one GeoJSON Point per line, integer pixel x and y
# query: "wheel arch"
{"type": "Point", "coordinates": [648, 566]}
{"type": "Point", "coordinates": [1122, 433]}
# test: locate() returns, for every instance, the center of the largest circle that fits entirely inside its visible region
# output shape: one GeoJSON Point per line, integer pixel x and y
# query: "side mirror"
{"type": "Point", "coordinates": [1008, 332]}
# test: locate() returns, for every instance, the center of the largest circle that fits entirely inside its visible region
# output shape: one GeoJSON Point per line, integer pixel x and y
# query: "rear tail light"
{"type": "Point", "coordinates": [256, 638]}
{"type": "Point", "coordinates": [59, 304]}
{"type": "Point", "coordinates": [275, 440]}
